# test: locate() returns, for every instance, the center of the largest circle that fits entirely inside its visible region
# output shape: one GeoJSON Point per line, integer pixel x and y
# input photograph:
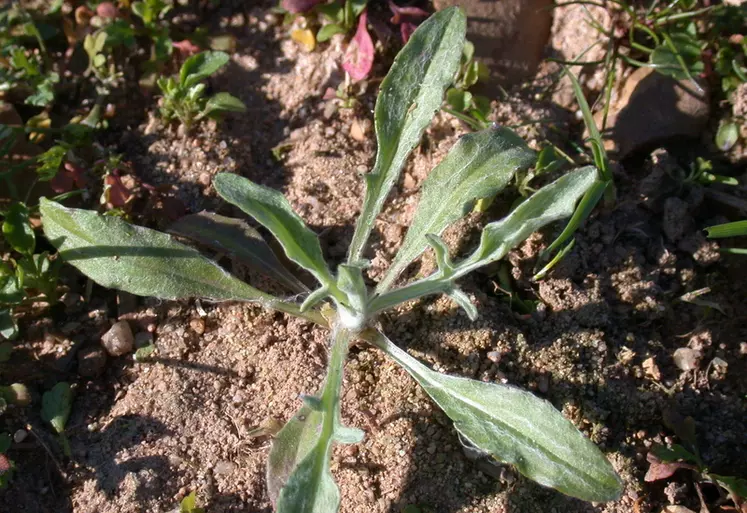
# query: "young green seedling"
{"type": "Point", "coordinates": [184, 97]}
{"type": "Point", "coordinates": [505, 422]}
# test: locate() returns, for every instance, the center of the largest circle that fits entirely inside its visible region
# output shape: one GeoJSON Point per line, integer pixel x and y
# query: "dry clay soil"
{"type": "Point", "coordinates": [600, 346]}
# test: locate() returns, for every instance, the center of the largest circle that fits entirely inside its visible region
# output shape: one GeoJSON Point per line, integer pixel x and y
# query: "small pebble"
{"type": "Point", "coordinates": [119, 340]}
{"type": "Point", "coordinates": [224, 468]}
{"type": "Point", "coordinates": [19, 436]}
{"type": "Point", "coordinates": [686, 359]}
{"type": "Point", "coordinates": [197, 325]}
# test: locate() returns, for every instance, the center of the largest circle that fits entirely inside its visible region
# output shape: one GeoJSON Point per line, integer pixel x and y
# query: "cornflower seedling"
{"type": "Point", "coordinates": [502, 421]}
{"type": "Point", "coordinates": [184, 97]}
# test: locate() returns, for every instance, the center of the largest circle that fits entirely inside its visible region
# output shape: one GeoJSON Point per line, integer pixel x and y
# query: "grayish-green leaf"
{"type": "Point", "coordinates": [290, 447]}
{"type": "Point", "coordinates": [478, 166]}
{"type": "Point", "coordinates": [270, 208]}
{"type": "Point", "coordinates": [200, 66]}
{"type": "Point", "coordinates": [224, 102]}
{"type": "Point", "coordinates": [145, 262]}
{"type": "Point", "coordinates": [410, 95]}
{"type": "Point", "coordinates": [310, 487]}
{"type": "Point", "coordinates": [551, 203]}
{"type": "Point", "coordinates": [56, 405]}
{"type": "Point", "coordinates": [239, 240]}
{"type": "Point", "coordinates": [516, 427]}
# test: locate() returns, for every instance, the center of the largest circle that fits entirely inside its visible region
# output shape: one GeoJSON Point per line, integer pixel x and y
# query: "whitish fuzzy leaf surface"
{"type": "Point", "coordinates": [409, 96]}
{"type": "Point", "coordinates": [551, 203]}
{"type": "Point", "coordinates": [239, 240]}
{"type": "Point", "coordinates": [290, 446]}
{"type": "Point", "coordinates": [145, 262]}
{"type": "Point", "coordinates": [516, 427]}
{"type": "Point", "coordinates": [478, 166]}
{"type": "Point", "coordinates": [270, 208]}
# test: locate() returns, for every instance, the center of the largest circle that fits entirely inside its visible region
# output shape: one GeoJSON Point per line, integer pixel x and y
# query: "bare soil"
{"type": "Point", "coordinates": [599, 347]}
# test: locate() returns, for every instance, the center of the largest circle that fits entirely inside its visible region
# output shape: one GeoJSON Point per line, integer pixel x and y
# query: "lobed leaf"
{"type": "Point", "coordinates": [551, 203]}
{"type": "Point", "coordinates": [270, 208]}
{"type": "Point", "coordinates": [138, 260]}
{"type": "Point", "coordinates": [239, 240]}
{"type": "Point", "coordinates": [409, 96]}
{"type": "Point", "coordinates": [516, 427]}
{"type": "Point", "coordinates": [478, 166]}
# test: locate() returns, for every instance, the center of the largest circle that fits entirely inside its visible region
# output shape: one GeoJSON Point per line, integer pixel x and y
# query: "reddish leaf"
{"type": "Point", "coordinates": [5, 465]}
{"type": "Point", "coordinates": [660, 470]}
{"type": "Point", "coordinates": [107, 10]}
{"type": "Point", "coordinates": [186, 48]}
{"type": "Point", "coordinates": [299, 6]}
{"type": "Point", "coordinates": [358, 59]}
{"type": "Point", "coordinates": [117, 193]}
{"type": "Point", "coordinates": [401, 13]}
{"type": "Point", "coordinates": [405, 30]}
{"type": "Point", "coordinates": [68, 178]}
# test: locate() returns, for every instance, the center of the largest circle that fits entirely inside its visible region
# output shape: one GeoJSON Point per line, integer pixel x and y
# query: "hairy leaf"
{"type": "Point", "coordinates": [552, 202]}
{"type": "Point", "coordinates": [478, 166]}
{"type": "Point", "coordinates": [145, 262]}
{"type": "Point", "coordinates": [270, 208]}
{"type": "Point", "coordinates": [310, 488]}
{"type": "Point", "coordinates": [239, 240]}
{"type": "Point", "coordinates": [290, 447]}
{"type": "Point", "coordinates": [409, 97]}
{"type": "Point", "coordinates": [200, 66]}
{"type": "Point", "coordinates": [516, 427]}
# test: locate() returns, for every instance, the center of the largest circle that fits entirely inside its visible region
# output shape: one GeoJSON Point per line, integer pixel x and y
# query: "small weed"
{"type": "Point", "coordinates": [505, 422]}
{"type": "Point", "coordinates": [184, 96]}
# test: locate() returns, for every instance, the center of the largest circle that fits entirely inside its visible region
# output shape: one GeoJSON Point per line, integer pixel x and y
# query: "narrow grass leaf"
{"type": "Point", "coordinates": [551, 203]}
{"type": "Point", "coordinates": [516, 427]}
{"type": "Point", "coordinates": [410, 95]}
{"type": "Point", "coordinates": [720, 231]}
{"type": "Point", "coordinates": [478, 166]}
{"type": "Point", "coordinates": [239, 240]}
{"type": "Point", "coordinates": [270, 208]}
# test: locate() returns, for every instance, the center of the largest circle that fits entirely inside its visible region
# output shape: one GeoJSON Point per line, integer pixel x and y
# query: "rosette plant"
{"type": "Point", "coordinates": [507, 423]}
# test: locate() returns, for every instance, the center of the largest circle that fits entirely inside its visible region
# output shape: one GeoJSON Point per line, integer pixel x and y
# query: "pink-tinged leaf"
{"type": "Point", "coordinates": [117, 193]}
{"type": "Point", "coordinates": [299, 6]}
{"type": "Point", "coordinates": [661, 470]}
{"type": "Point", "coordinates": [68, 178]}
{"type": "Point", "coordinates": [107, 10]}
{"type": "Point", "coordinates": [185, 48]}
{"type": "Point", "coordinates": [405, 30]}
{"type": "Point", "coordinates": [358, 59]}
{"type": "Point", "coordinates": [400, 13]}
{"type": "Point", "coordinates": [329, 94]}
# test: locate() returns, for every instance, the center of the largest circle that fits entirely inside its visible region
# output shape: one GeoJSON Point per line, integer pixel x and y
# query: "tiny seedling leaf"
{"type": "Point", "coordinates": [17, 229]}
{"type": "Point", "coordinates": [145, 262]}
{"type": "Point", "coordinates": [327, 31]}
{"type": "Point", "coordinates": [409, 96]}
{"type": "Point", "coordinates": [478, 166]}
{"type": "Point", "coordinates": [727, 136]}
{"type": "Point", "coordinates": [200, 66]}
{"type": "Point", "coordinates": [224, 102]}
{"type": "Point", "coordinates": [238, 239]}
{"type": "Point", "coordinates": [270, 208]}
{"type": "Point", "coordinates": [516, 427]}
{"type": "Point", "coordinates": [56, 405]}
